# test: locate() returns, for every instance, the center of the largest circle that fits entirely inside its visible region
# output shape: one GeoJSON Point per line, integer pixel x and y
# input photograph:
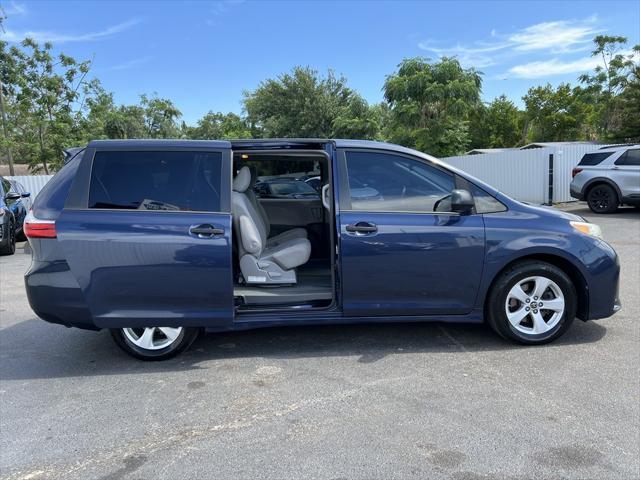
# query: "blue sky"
{"type": "Point", "coordinates": [203, 54]}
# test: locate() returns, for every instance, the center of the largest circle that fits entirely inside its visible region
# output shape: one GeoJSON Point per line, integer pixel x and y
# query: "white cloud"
{"type": "Point", "coordinates": [15, 8]}
{"type": "Point", "coordinates": [557, 37]}
{"type": "Point", "coordinates": [48, 36]}
{"type": "Point", "coordinates": [556, 66]}
{"type": "Point", "coordinates": [130, 63]}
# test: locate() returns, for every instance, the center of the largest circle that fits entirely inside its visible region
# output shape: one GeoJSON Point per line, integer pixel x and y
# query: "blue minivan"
{"type": "Point", "coordinates": [158, 240]}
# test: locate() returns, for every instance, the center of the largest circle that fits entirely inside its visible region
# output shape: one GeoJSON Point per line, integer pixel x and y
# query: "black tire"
{"type": "Point", "coordinates": [9, 248]}
{"type": "Point", "coordinates": [21, 237]}
{"type": "Point", "coordinates": [180, 344]}
{"type": "Point", "coordinates": [603, 198]}
{"type": "Point", "coordinates": [495, 308]}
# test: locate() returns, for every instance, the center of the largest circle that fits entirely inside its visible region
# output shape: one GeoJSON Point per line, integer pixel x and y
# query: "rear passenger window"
{"type": "Point", "coordinates": [591, 159]}
{"type": "Point", "coordinates": [156, 181]}
{"type": "Point", "coordinates": [630, 157]}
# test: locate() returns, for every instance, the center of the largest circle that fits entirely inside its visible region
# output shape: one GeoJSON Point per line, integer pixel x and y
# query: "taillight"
{"type": "Point", "coordinates": [36, 228]}
{"type": "Point", "coordinates": [575, 171]}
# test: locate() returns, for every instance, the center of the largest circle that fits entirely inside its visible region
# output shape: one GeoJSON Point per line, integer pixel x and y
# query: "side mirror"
{"type": "Point", "coordinates": [461, 202]}
{"type": "Point", "coordinates": [26, 195]}
{"type": "Point", "coordinates": [12, 196]}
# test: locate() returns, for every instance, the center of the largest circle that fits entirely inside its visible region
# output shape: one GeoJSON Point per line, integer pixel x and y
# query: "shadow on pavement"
{"type": "Point", "coordinates": [583, 210]}
{"type": "Point", "coordinates": [33, 349]}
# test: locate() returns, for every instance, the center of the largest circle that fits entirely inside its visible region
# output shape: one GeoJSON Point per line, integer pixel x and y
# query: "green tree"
{"type": "Point", "coordinates": [219, 125]}
{"type": "Point", "coordinates": [160, 117]}
{"type": "Point", "coordinates": [608, 80]}
{"type": "Point", "coordinates": [431, 104]}
{"type": "Point", "coordinates": [46, 93]}
{"type": "Point", "coordinates": [626, 121]}
{"type": "Point", "coordinates": [304, 104]}
{"type": "Point", "coordinates": [556, 114]}
{"type": "Point", "coordinates": [356, 119]}
{"type": "Point", "coordinates": [498, 124]}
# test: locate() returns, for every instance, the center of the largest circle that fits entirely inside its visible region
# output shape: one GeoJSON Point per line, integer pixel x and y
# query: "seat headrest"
{"type": "Point", "coordinates": [242, 180]}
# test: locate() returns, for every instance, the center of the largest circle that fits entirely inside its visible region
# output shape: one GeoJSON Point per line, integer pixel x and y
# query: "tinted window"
{"type": "Point", "coordinates": [630, 157]}
{"type": "Point", "coordinates": [593, 158]}
{"type": "Point", "coordinates": [386, 182]}
{"type": "Point", "coordinates": [156, 181]}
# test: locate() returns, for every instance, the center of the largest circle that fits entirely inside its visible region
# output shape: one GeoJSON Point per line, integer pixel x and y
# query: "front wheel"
{"type": "Point", "coordinates": [154, 343]}
{"type": "Point", "coordinates": [532, 303]}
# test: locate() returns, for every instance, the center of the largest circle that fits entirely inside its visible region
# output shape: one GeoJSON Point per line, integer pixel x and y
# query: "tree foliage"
{"type": "Point", "coordinates": [223, 126]}
{"type": "Point", "coordinates": [431, 104]}
{"type": "Point", "coordinates": [50, 102]}
{"type": "Point", "coordinates": [498, 124]}
{"type": "Point", "coordinates": [556, 114]}
{"type": "Point", "coordinates": [305, 104]}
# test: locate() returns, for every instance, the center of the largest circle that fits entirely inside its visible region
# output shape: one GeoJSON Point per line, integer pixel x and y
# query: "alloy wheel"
{"type": "Point", "coordinates": [600, 199]}
{"type": "Point", "coordinates": [152, 338]}
{"type": "Point", "coordinates": [535, 305]}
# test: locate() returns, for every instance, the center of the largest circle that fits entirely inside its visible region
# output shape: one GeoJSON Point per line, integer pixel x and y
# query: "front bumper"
{"type": "Point", "coordinates": [604, 281]}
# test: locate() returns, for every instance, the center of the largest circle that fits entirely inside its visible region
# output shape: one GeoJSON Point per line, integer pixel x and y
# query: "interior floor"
{"type": "Point", "coordinates": [314, 287]}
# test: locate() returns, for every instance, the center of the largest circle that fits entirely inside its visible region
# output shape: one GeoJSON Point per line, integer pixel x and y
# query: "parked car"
{"type": "Point", "coordinates": [14, 204]}
{"type": "Point", "coordinates": [608, 178]}
{"type": "Point", "coordinates": [433, 244]}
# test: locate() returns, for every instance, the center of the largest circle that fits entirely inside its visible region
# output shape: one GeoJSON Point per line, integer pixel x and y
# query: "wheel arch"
{"type": "Point", "coordinates": [598, 181]}
{"type": "Point", "coordinates": [574, 273]}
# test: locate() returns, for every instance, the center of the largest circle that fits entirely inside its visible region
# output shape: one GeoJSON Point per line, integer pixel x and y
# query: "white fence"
{"type": "Point", "coordinates": [32, 183]}
{"type": "Point", "coordinates": [525, 174]}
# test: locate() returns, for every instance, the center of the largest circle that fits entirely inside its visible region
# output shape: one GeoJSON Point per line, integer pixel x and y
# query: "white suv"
{"type": "Point", "coordinates": [608, 178]}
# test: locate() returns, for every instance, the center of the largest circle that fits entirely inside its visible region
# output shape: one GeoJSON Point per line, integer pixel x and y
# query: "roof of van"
{"type": "Point", "coordinates": [252, 143]}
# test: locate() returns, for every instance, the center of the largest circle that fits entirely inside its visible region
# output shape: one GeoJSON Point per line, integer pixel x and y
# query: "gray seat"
{"type": "Point", "coordinates": [262, 262]}
{"type": "Point", "coordinates": [280, 238]}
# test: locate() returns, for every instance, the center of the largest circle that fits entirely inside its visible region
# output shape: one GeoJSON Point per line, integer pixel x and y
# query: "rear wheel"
{"type": "Point", "coordinates": [602, 198]}
{"type": "Point", "coordinates": [154, 343]}
{"type": "Point", "coordinates": [9, 248]}
{"type": "Point", "coordinates": [532, 303]}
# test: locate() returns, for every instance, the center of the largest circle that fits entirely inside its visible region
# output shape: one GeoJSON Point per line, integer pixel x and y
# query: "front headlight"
{"type": "Point", "coordinates": [588, 228]}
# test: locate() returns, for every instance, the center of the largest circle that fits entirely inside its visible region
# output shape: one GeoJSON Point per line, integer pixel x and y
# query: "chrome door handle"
{"type": "Point", "coordinates": [361, 227]}
{"type": "Point", "coordinates": [206, 231]}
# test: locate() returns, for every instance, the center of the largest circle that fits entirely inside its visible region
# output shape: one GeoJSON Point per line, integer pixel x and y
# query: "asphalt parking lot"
{"type": "Point", "coordinates": [341, 402]}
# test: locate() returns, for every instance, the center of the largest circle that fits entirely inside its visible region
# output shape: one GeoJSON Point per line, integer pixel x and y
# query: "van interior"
{"type": "Point", "coordinates": [283, 230]}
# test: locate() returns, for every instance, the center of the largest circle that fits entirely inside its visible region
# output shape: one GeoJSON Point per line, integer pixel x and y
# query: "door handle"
{"type": "Point", "coordinates": [362, 227]}
{"type": "Point", "coordinates": [206, 231]}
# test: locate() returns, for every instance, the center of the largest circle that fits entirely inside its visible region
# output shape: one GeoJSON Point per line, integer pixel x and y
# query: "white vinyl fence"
{"type": "Point", "coordinates": [32, 183]}
{"type": "Point", "coordinates": [525, 174]}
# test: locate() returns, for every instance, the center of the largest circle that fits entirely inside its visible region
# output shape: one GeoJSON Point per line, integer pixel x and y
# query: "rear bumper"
{"type": "Point", "coordinates": [576, 193]}
{"type": "Point", "coordinates": [55, 296]}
